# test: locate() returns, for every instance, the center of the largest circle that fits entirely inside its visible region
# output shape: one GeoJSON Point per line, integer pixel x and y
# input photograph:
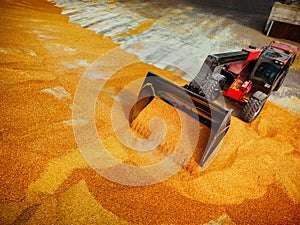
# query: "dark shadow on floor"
{"type": "Point", "coordinates": [253, 14]}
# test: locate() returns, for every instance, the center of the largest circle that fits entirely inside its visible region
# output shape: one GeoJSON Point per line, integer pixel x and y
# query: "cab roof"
{"type": "Point", "coordinates": [288, 48]}
{"type": "Point", "coordinates": [275, 54]}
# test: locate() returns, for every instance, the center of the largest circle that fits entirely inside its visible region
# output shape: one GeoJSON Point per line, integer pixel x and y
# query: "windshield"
{"type": "Point", "coordinates": [266, 72]}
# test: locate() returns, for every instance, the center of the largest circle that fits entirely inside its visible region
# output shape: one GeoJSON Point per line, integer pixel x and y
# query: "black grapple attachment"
{"type": "Point", "coordinates": [200, 108]}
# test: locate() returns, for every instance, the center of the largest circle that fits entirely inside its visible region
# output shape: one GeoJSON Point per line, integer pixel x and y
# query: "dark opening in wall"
{"type": "Point", "coordinates": [284, 30]}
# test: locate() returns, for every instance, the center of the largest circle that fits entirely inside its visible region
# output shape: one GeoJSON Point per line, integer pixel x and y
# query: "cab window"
{"type": "Point", "coordinates": [266, 72]}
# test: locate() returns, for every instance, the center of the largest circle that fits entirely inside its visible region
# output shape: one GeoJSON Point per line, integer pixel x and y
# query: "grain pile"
{"type": "Point", "coordinates": [45, 180]}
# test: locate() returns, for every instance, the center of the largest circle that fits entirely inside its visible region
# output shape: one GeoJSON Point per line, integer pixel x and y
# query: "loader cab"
{"type": "Point", "coordinates": [269, 69]}
{"type": "Point", "coordinates": [266, 72]}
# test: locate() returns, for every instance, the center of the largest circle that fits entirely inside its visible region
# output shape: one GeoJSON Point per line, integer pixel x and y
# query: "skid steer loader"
{"type": "Point", "coordinates": [248, 77]}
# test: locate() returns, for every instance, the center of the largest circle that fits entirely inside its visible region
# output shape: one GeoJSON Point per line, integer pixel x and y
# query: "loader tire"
{"type": "Point", "coordinates": [254, 106]}
{"type": "Point", "coordinates": [213, 86]}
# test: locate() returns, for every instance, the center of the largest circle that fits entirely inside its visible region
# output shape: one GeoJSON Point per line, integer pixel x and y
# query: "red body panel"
{"type": "Point", "coordinates": [240, 87]}
{"type": "Point", "coordinates": [284, 47]}
{"type": "Point", "coordinates": [254, 54]}
{"type": "Point", "coordinates": [236, 67]}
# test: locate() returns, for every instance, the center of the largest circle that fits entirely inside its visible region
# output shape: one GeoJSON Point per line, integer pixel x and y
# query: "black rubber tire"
{"type": "Point", "coordinates": [212, 87]}
{"type": "Point", "coordinates": [254, 106]}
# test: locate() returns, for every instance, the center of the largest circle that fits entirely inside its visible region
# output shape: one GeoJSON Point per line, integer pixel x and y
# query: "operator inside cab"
{"type": "Point", "coordinates": [266, 72]}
